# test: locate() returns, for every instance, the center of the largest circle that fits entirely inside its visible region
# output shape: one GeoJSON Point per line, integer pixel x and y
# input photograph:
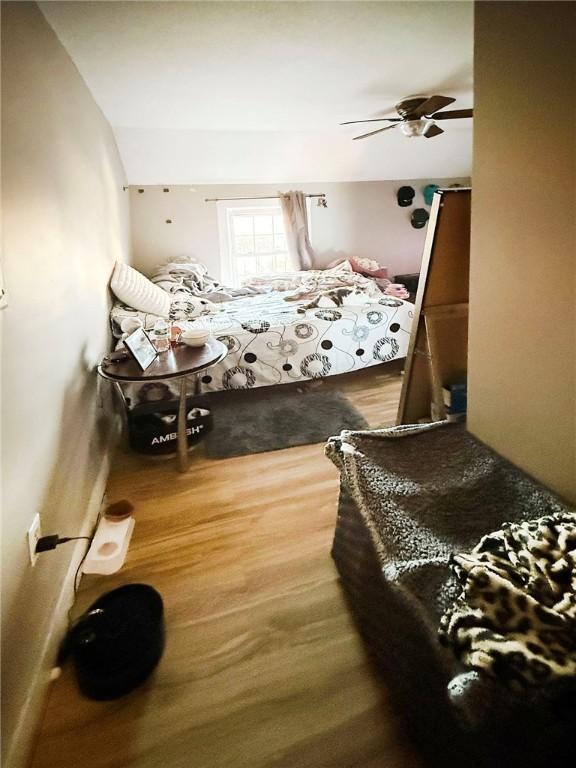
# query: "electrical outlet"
{"type": "Point", "coordinates": [34, 533]}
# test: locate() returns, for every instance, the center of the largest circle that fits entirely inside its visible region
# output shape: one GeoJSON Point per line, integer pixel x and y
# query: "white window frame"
{"type": "Point", "coordinates": [226, 210]}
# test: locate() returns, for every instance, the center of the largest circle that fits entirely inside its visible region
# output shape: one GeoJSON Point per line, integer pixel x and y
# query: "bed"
{"type": "Point", "coordinates": [271, 339]}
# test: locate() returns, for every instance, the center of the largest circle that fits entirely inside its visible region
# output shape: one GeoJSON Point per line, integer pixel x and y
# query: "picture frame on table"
{"type": "Point", "coordinates": [141, 348]}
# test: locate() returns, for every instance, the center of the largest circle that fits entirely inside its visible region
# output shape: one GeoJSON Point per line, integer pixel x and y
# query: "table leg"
{"type": "Point", "coordinates": [182, 437]}
{"type": "Point", "coordinates": [125, 437]}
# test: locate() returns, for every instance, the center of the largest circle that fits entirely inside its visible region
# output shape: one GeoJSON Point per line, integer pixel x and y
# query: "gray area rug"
{"type": "Point", "coordinates": [269, 419]}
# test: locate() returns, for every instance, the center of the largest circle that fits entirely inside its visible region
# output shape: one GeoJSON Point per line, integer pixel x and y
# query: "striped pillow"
{"type": "Point", "coordinates": [136, 291]}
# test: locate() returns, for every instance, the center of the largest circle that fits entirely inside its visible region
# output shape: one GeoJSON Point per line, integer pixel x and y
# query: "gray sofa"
{"type": "Point", "coordinates": [410, 497]}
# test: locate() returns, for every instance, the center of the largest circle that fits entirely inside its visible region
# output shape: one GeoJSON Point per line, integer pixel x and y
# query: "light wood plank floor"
{"type": "Point", "coordinates": [263, 666]}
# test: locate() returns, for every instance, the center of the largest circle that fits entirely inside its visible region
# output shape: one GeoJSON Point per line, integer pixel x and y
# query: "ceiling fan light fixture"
{"type": "Point", "coordinates": [417, 117]}
{"type": "Point", "coordinates": [414, 128]}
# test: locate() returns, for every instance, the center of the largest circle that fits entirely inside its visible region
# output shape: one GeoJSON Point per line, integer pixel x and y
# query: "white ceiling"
{"type": "Point", "coordinates": [218, 92]}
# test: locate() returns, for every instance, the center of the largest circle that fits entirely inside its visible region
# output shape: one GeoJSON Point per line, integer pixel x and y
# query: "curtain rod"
{"type": "Point", "coordinates": [265, 197]}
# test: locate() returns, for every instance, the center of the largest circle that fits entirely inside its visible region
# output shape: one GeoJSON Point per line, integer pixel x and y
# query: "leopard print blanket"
{"type": "Point", "coordinates": [515, 618]}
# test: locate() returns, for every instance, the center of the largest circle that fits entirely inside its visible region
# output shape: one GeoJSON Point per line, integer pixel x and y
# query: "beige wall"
{"type": "Point", "coordinates": [362, 219]}
{"type": "Point", "coordinates": [65, 222]}
{"type": "Point", "coordinates": [522, 378]}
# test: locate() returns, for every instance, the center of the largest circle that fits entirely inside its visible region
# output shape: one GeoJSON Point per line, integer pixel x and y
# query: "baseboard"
{"type": "Point", "coordinates": [26, 730]}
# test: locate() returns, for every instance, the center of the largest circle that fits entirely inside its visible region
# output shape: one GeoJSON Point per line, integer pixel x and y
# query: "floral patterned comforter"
{"type": "Point", "coordinates": [269, 342]}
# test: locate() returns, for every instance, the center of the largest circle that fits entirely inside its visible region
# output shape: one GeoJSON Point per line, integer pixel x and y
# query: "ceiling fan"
{"type": "Point", "coordinates": [417, 117]}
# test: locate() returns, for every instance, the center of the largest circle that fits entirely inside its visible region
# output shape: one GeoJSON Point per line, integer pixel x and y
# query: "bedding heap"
{"type": "Point", "coordinates": [378, 273]}
{"type": "Point", "coordinates": [310, 284]}
{"type": "Point", "coordinates": [187, 278]}
{"type": "Point", "coordinates": [192, 293]}
{"type": "Point", "coordinates": [515, 618]}
{"type": "Point", "coordinates": [314, 283]}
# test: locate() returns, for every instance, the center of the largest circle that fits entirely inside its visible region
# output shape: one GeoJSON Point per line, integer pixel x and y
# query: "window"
{"type": "Point", "coordinates": [256, 242]}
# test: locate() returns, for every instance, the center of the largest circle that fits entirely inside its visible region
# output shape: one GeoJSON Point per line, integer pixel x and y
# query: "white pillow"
{"type": "Point", "coordinates": [135, 290]}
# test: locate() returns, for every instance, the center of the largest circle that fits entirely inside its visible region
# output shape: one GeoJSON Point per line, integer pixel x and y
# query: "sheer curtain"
{"type": "Point", "coordinates": [296, 226]}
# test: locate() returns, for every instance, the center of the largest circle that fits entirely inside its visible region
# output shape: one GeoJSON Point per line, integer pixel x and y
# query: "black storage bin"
{"type": "Point", "coordinates": [153, 427]}
{"type": "Point", "coordinates": [118, 642]}
{"type": "Point", "coordinates": [409, 281]}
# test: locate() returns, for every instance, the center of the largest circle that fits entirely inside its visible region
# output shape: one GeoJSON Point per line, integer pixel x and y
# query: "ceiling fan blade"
{"type": "Point", "coordinates": [453, 114]}
{"type": "Point", "coordinates": [408, 107]}
{"type": "Point", "coordinates": [372, 133]}
{"type": "Point", "coordinates": [432, 131]}
{"type": "Point", "coordinates": [433, 104]}
{"type": "Point", "coordinates": [374, 120]}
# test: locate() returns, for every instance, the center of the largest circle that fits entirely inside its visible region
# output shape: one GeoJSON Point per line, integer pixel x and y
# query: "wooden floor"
{"type": "Point", "coordinates": [263, 666]}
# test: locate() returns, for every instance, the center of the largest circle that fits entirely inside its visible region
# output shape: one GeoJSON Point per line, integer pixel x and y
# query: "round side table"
{"type": "Point", "coordinates": [179, 362]}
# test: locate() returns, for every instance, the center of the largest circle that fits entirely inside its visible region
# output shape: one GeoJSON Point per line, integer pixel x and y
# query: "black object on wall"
{"type": "Point", "coordinates": [405, 196]}
{"type": "Point", "coordinates": [419, 218]}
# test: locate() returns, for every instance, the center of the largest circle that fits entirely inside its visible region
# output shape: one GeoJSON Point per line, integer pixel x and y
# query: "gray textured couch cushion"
{"type": "Point", "coordinates": [427, 492]}
{"type": "Point", "coordinates": [411, 496]}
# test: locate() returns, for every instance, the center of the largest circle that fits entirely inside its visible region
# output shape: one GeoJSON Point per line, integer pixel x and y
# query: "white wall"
{"type": "Point", "coordinates": [66, 221]}
{"type": "Point", "coordinates": [522, 345]}
{"type": "Point", "coordinates": [362, 219]}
